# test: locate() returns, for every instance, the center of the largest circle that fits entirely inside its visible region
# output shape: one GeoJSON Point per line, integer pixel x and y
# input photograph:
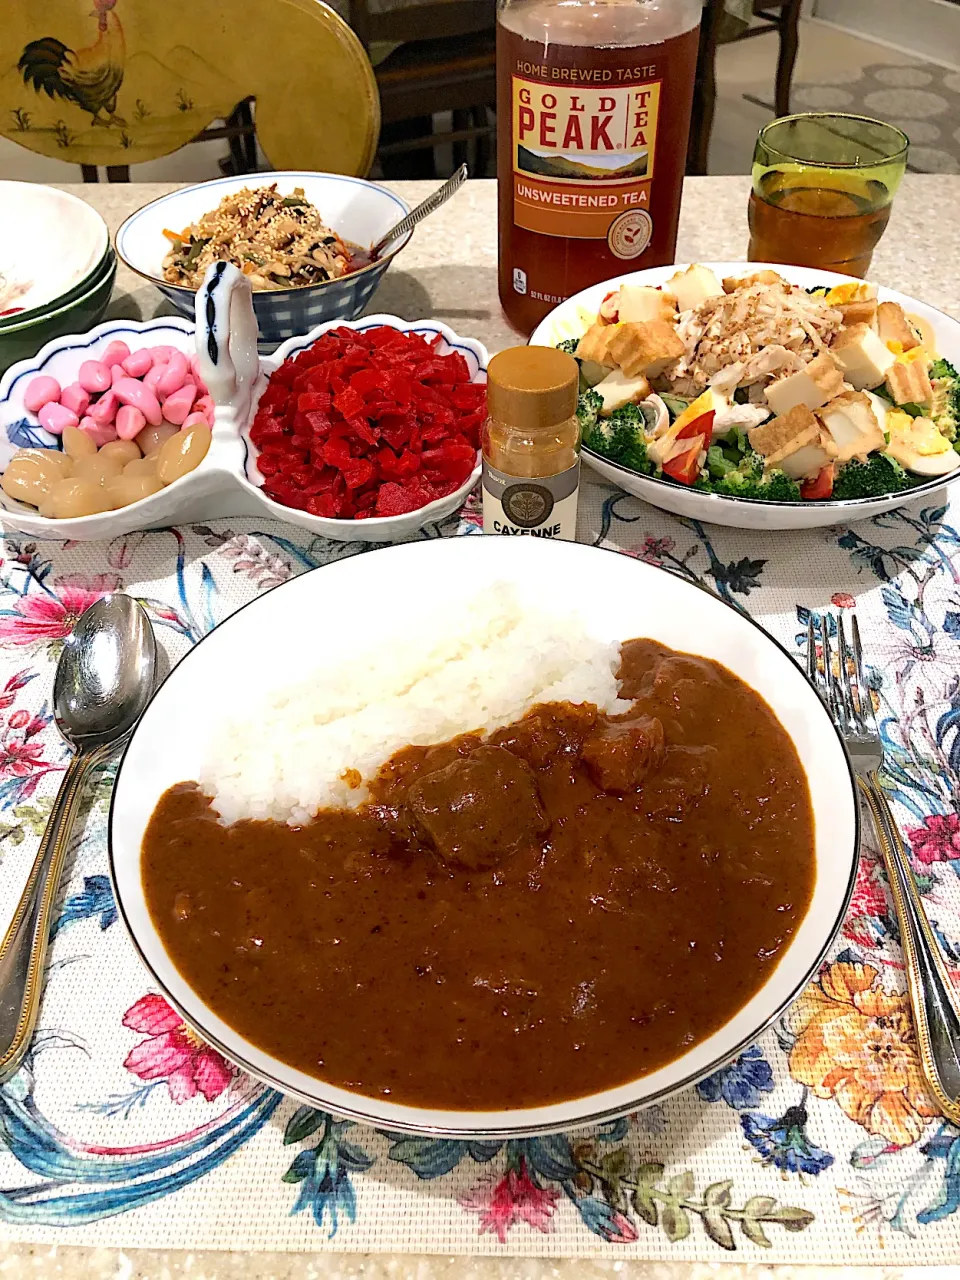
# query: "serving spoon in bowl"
{"type": "Point", "coordinates": [420, 211]}
{"type": "Point", "coordinates": [105, 678]}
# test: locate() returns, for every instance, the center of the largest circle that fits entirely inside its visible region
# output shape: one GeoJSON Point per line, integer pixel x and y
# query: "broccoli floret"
{"type": "Point", "coordinates": [751, 465]}
{"type": "Point", "coordinates": [776, 486]}
{"type": "Point", "coordinates": [879, 475]}
{"type": "Point", "coordinates": [945, 410]}
{"type": "Point", "coordinates": [735, 484]}
{"type": "Point", "coordinates": [589, 405]}
{"type": "Point", "coordinates": [569, 345]}
{"type": "Point", "coordinates": [621, 438]}
{"type": "Point", "coordinates": [624, 439]}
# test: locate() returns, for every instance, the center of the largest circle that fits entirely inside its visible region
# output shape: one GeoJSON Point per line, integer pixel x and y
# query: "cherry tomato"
{"type": "Point", "coordinates": [820, 487]}
{"type": "Point", "coordinates": [685, 467]}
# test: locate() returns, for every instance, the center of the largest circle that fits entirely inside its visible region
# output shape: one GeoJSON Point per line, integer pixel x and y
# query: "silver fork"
{"type": "Point", "coordinates": [935, 1003]}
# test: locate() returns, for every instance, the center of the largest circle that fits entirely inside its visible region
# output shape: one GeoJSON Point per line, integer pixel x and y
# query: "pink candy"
{"type": "Point", "coordinates": [94, 376]}
{"type": "Point", "coordinates": [54, 417]}
{"type": "Point", "coordinates": [154, 374]}
{"type": "Point", "coordinates": [138, 362]}
{"type": "Point", "coordinates": [105, 410]}
{"type": "Point", "coordinates": [115, 353]}
{"type": "Point", "coordinates": [173, 376]}
{"type": "Point", "coordinates": [178, 404]}
{"type": "Point", "coordinates": [40, 391]}
{"type": "Point", "coordinates": [116, 396]}
{"type": "Point", "coordinates": [99, 432]}
{"type": "Point", "coordinates": [129, 391]}
{"type": "Point", "coordinates": [75, 398]}
{"type": "Point", "coordinates": [130, 422]}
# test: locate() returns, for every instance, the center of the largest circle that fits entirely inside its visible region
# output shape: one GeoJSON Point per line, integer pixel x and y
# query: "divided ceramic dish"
{"type": "Point", "coordinates": [226, 483]}
{"type": "Point", "coordinates": [359, 211]}
{"type": "Point", "coordinates": [572, 318]}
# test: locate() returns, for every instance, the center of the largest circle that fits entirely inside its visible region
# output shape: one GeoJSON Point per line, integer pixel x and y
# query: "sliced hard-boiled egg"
{"type": "Point", "coordinates": [853, 291]}
{"type": "Point", "coordinates": [704, 402]}
{"type": "Point", "coordinates": [919, 447]}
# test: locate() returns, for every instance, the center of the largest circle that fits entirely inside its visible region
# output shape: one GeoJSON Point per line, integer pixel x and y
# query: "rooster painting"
{"type": "Point", "coordinates": [89, 77]}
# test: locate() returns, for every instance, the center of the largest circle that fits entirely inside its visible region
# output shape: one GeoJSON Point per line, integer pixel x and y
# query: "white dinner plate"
{"type": "Point", "coordinates": [573, 317]}
{"type": "Point", "coordinates": [330, 613]}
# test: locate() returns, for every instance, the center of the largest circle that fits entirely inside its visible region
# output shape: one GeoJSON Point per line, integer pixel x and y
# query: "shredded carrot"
{"type": "Point", "coordinates": [173, 235]}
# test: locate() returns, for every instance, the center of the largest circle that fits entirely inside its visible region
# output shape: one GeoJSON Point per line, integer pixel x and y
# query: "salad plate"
{"type": "Point", "coordinates": [701, 495]}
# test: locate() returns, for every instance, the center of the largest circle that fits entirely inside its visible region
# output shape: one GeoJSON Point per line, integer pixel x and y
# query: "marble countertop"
{"type": "Point", "coordinates": [449, 272]}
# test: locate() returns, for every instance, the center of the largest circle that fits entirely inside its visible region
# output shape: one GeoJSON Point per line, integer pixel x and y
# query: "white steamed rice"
{"type": "Point", "coordinates": [478, 670]}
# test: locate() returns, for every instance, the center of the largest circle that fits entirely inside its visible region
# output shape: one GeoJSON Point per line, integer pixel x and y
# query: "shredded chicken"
{"type": "Point", "coordinates": [761, 329]}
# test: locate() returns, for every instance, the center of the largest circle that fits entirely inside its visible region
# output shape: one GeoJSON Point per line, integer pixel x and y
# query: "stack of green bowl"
{"type": "Point", "coordinates": [58, 249]}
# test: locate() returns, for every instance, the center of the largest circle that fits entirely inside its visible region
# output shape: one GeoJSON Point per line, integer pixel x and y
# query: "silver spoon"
{"type": "Point", "coordinates": [105, 678]}
{"type": "Point", "coordinates": [422, 210]}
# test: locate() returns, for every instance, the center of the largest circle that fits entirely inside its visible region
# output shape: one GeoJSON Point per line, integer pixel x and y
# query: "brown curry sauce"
{"type": "Point", "coordinates": [512, 920]}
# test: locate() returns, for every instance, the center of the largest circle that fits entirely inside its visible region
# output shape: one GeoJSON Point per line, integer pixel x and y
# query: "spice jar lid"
{"type": "Point", "coordinates": [532, 387]}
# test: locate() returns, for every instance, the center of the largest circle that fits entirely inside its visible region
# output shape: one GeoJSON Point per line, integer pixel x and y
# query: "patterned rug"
{"type": "Point", "coordinates": [923, 100]}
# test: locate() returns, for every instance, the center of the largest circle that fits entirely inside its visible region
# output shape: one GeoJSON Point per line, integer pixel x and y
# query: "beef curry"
{"type": "Point", "coordinates": [513, 919]}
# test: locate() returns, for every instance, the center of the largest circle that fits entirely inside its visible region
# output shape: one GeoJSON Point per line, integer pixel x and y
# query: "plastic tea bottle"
{"type": "Point", "coordinates": [531, 444]}
{"type": "Point", "coordinates": [593, 111]}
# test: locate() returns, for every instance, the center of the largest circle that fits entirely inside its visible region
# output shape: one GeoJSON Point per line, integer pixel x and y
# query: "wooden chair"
{"type": "Point", "coordinates": [781, 16]}
{"type": "Point", "coordinates": [451, 69]}
{"type": "Point", "coordinates": [118, 85]}
{"type": "Point", "coordinates": [239, 130]}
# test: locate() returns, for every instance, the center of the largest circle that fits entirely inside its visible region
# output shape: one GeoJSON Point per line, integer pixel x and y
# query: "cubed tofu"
{"type": "Point", "coordinates": [859, 311]}
{"type": "Point", "coordinates": [646, 347]}
{"type": "Point", "coordinates": [862, 356]}
{"type": "Point", "coordinates": [644, 302]}
{"type": "Point", "coordinates": [909, 383]}
{"type": "Point", "coordinates": [793, 443]}
{"type": "Point", "coordinates": [770, 437]}
{"type": "Point", "coordinates": [693, 286]}
{"type": "Point", "coordinates": [893, 326]}
{"type": "Point", "coordinates": [617, 389]}
{"type": "Point", "coordinates": [593, 345]}
{"type": "Point", "coordinates": [812, 386]}
{"type": "Point", "coordinates": [851, 423]}
{"type": "Point", "coordinates": [732, 283]}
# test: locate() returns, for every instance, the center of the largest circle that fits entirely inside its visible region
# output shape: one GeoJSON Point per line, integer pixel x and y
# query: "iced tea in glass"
{"type": "Point", "coordinates": [823, 184]}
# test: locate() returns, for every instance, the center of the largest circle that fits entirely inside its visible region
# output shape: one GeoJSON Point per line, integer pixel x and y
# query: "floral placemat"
{"type": "Point", "coordinates": [818, 1145]}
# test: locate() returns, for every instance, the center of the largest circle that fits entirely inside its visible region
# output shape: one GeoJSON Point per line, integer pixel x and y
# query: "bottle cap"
{"type": "Point", "coordinates": [532, 387]}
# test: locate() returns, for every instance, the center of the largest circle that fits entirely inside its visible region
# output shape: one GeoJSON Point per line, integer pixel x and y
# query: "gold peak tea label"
{"type": "Point", "coordinates": [583, 157]}
{"type": "Point", "coordinates": [593, 109]}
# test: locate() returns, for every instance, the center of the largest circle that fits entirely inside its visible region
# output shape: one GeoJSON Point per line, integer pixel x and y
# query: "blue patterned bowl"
{"type": "Point", "coordinates": [359, 211]}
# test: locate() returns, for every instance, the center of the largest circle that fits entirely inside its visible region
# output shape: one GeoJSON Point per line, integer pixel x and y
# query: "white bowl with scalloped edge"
{"type": "Point", "coordinates": [226, 483]}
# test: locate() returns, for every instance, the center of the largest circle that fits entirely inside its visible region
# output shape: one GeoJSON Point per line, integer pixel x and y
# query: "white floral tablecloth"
{"type": "Point", "coordinates": [818, 1145]}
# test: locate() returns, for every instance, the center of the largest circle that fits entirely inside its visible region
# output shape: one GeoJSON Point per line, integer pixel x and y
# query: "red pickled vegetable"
{"type": "Point", "coordinates": [368, 424]}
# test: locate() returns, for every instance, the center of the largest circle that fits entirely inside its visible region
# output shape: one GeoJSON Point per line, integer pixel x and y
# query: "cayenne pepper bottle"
{"type": "Point", "coordinates": [593, 111]}
{"type": "Point", "coordinates": [531, 444]}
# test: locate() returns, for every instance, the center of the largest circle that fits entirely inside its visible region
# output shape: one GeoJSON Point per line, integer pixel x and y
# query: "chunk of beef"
{"type": "Point", "coordinates": [548, 730]}
{"type": "Point", "coordinates": [481, 809]}
{"type": "Point", "coordinates": [619, 754]}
